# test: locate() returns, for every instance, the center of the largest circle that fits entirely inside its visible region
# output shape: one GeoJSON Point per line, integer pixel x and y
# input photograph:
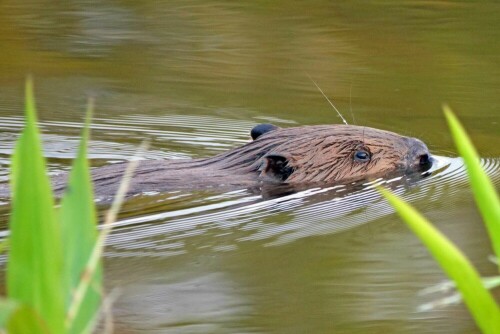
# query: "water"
{"type": "Point", "coordinates": [195, 76]}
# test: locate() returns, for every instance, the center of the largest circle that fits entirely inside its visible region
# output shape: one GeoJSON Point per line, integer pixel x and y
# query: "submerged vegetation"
{"type": "Point", "coordinates": [478, 299]}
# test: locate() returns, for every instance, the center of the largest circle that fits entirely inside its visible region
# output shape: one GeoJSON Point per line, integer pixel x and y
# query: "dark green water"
{"type": "Point", "coordinates": [196, 76]}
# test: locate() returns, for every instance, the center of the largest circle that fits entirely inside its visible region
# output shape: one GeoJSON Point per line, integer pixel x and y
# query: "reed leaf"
{"type": "Point", "coordinates": [79, 230]}
{"type": "Point", "coordinates": [484, 192]}
{"type": "Point", "coordinates": [93, 262]}
{"type": "Point", "coordinates": [25, 320]}
{"type": "Point", "coordinates": [35, 267]}
{"type": "Point", "coordinates": [7, 308]}
{"type": "Point", "coordinates": [477, 298]}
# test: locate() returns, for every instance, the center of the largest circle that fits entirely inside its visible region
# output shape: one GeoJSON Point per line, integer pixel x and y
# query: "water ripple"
{"type": "Point", "coordinates": [307, 213]}
{"type": "Point", "coordinates": [192, 132]}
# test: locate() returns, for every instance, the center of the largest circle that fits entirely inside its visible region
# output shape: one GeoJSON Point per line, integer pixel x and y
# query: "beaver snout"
{"type": "Point", "coordinates": [419, 158]}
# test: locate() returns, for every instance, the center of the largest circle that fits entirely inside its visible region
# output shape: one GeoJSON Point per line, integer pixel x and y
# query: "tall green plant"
{"type": "Point", "coordinates": [49, 250]}
{"type": "Point", "coordinates": [78, 223]}
{"type": "Point", "coordinates": [35, 267]}
{"type": "Point", "coordinates": [484, 192]}
{"type": "Point", "coordinates": [480, 302]}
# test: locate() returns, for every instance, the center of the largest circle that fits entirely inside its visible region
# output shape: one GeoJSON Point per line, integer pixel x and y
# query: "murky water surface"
{"type": "Point", "coordinates": [195, 76]}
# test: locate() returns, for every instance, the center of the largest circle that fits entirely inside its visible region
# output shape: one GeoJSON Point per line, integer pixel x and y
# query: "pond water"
{"type": "Point", "coordinates": [195, 77]}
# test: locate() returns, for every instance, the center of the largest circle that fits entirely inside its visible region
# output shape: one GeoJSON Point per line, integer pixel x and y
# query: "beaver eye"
{"type": "Point", "coordinates": [361, 156]}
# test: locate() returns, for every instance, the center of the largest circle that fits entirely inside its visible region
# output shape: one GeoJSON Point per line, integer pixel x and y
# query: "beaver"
{"type": "Point", "coordinates": [295, 156]}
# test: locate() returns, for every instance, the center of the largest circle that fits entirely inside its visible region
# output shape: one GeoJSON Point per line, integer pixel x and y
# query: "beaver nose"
{"type": "Point", "coordinates": [424, 159]}
{"type": "Point", "coordinates": [419, 157]}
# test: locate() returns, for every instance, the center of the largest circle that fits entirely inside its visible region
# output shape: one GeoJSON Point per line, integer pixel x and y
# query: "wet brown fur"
{"type": "Point", "coordinates": [313, 154]}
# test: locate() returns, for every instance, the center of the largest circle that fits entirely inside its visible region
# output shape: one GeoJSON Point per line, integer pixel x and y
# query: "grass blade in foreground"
{"type": "Point", "coordinates": [484, 192]}
{"type": "Point", "coordinates": [34, 270]}
{"type": "Point", "coordinates": [79, 229]}
{"type": "Point", "coordinates": [26, 321]}
{"type": "Point", "coordinates": [479, 301]}
{"type": "Point", "coordinates": [94, 260]}
{"type": "Point", "coordinates": [20, 319]}
{"type": "Point", "coordinates": [7, 308]}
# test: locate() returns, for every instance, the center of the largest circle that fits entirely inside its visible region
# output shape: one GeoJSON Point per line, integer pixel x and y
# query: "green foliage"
{"type": "Point", "coordinates": [7, 308]}
{"type": "Point", "coordinates": [454, 263]}
{"type": "Point", "coordinates": [35, 267]}
{"type": "Point", "coordinates": [479, 301]}
{"type": "Point", "coordinates": [49, 250]}
{"type": "Point", "coordinates": [484, 192]}
{"type": "Point", "coordinates": [25, 320]}
{"type": "Point", "coordinates": [78, 223]}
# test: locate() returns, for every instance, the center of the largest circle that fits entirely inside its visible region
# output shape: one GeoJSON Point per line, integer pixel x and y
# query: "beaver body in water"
{"type": "Point", "coordinates": [301, 156]}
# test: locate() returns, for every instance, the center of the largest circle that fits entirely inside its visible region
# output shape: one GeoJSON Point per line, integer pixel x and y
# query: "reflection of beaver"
{"type": "Point", "coordinates": [295, 156]}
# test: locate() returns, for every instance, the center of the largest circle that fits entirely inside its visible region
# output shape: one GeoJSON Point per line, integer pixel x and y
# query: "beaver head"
{"type": "Point", "coordinates": [327, 153]}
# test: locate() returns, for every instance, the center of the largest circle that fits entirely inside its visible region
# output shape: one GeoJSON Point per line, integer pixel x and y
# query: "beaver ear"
{"type": "Point", "coordinates": [260, 129]}
{"type": "Point", "coordinates": [275, 168]}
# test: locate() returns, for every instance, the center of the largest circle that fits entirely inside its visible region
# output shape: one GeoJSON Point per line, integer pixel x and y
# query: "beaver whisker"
{"type": "Point", "coordinates": [326, 97]}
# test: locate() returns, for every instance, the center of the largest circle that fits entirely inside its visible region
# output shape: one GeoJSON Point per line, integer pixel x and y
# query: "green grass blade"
{"type": "Point", "coordinates": [26, 321]}
{"type": "Point", "coordinates": [484, 192]}
{"type": "Point", "coordinates": [479, 301]}
{"type": "Point", "coordinates": [92, 264]}
{"type": "Point", "coordinates": [19, 319]}
{"type": "Point", "coordinates": [35, 260]}
{"type": "Point", "coordinates": [7, 308]}
{"type": "Point", "coordinates": [78, 219]}
{"type": "Point", "coordinates": [4, 245]}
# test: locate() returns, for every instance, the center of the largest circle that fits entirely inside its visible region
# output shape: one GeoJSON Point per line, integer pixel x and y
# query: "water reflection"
{"type": "Point", "coordinates": [194, 303]}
